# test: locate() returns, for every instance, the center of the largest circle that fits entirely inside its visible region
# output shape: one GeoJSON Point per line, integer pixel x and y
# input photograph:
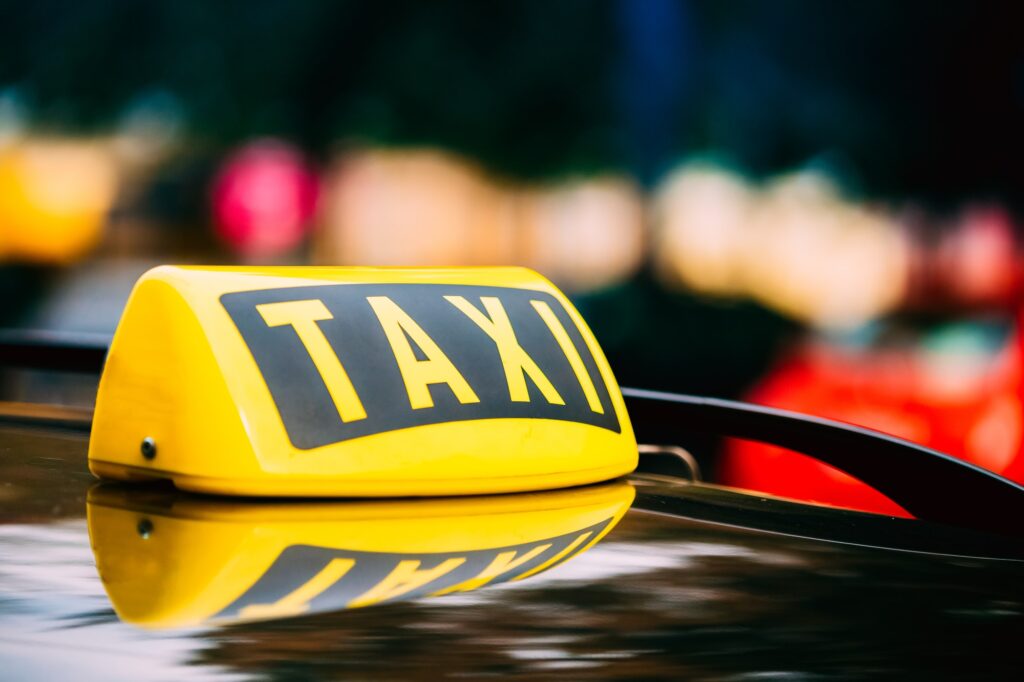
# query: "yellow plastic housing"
{"type": "Point", "coordinates": [169, 562]}
{"type": "Point", "coordinates": [365, 382]}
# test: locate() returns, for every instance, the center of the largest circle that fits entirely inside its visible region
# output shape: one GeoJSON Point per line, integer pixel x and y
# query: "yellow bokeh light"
{"type": "Point", "coordinates": [55, 196]}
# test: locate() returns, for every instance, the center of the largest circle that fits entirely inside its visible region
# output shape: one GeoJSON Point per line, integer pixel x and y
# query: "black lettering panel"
{"type": "Point", "coordinates": [360, 344]}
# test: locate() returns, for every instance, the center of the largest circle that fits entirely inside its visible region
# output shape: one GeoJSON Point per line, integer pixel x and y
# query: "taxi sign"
{"type": "Point", "coordinates": [170, 561]}
{"type": "Point", "coordinates": [357, 382]}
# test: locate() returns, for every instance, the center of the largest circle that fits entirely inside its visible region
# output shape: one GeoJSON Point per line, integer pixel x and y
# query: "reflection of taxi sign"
{"type": "Point", "coordinates": [357, 381]}
{"type": "Point", "coordinates": [172, 562]}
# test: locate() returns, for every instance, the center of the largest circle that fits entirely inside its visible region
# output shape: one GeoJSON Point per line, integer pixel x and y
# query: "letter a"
{"type": "Point", "coordinates": [418, 375]}
{"type": "Point", "coordinates": [406, 577]}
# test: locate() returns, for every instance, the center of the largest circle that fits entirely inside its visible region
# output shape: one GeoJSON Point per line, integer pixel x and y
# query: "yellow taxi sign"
{"type": "Point", "coordinates": [169, 561]}
{"type": "Point", "coordinates": [357, 382]}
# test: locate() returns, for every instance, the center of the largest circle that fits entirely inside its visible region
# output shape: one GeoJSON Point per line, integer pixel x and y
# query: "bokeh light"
{"type": "Point", "coordinates": [55, 197]}
{"type": "Point", "coordinates": [796, 244]}
{"type": "Point", "coordinates": [263, 199]}
{"type": "Point", "coordinates": [702, 214]}
{"type": "Point", "coordinates": [427, 208]}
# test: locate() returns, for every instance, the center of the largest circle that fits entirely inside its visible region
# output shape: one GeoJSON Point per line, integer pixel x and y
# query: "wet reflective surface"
{"type": "Point", "coordinates": [661, 596]}
{"type": "Point", "coordinates": [169, 560]}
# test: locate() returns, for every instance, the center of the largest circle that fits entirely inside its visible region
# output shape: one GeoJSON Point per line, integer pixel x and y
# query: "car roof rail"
{"type": "Point", "coordinates": [930, 485]}
{"type": "Point", "coordinates": [53, 350]}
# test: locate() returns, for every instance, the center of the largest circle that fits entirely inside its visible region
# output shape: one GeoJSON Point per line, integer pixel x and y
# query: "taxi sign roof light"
{"type": "Point", "coordinates": [365, 382]}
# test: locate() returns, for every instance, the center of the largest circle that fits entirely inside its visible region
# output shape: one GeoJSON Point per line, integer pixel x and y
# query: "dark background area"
{"type": "Point", "coordinates": [911, 98]}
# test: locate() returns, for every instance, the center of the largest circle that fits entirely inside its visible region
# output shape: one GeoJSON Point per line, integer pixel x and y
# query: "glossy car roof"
{"type": "Point", "coordinates": [694, 582]}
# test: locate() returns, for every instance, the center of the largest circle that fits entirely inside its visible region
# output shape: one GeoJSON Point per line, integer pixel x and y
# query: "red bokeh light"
{"type": "Point", "coordinates": [264, 198]}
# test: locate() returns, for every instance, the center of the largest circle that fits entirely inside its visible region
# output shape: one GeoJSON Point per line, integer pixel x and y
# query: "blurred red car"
{"type": "Point", "coordinates": [963, 402]}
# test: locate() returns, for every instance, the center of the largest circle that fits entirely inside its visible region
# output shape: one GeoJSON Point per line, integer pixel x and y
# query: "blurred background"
{"type": "Point", "coordinates": [809, 205]}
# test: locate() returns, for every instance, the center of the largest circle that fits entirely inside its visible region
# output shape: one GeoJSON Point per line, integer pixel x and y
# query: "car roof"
{"type": "Point", "coordinates": [693, 581]}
